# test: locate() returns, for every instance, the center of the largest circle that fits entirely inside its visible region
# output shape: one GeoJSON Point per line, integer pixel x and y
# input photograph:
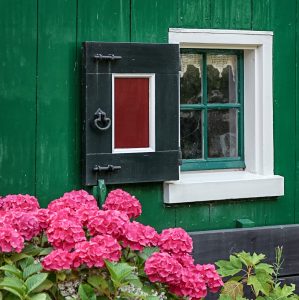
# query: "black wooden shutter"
{"type": "Point", "coordinates": [101, 61]}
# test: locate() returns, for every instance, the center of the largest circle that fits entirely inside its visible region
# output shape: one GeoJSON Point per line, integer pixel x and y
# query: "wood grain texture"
{"type": "Point", "coordinates": [231, 14]}
{"type": "Point", "coordinates": [151, 20]}
{"type": "Point", "coordinates": [196, 14]}
{"type": "Point", "coordinates": [18, 30]}
{"type": "Point", "coordinates": [57, 100]}
{"type": "Point", "coordinates": [262, 18]}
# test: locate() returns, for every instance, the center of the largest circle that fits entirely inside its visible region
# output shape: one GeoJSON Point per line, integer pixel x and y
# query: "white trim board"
{"type": "Point", "coordinates": [258, 122]}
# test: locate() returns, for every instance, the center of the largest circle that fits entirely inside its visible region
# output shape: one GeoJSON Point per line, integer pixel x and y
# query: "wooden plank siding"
{"type": "Point", "coordinates": [40, 96]}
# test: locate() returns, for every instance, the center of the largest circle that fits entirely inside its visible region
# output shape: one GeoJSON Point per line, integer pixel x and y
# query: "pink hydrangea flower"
{"type": "Point", "coordinates": [94, 252]}
{"type": "Point", "coordinates": [162, 267]}
{"type": "Point", "coordinates": [185, 259]}
{"type": "Point", "coordinates": [191, 285]}
{"type": "Point", "coordinates": [73, 200]}
{"type": "Point", "coordinates": [64, 234]}
{"type": "Point", "coordinates": [21, 202]}
{"type": "Point", "coordinates": [210, 276]}
{"type": "Point", "coordinates": [10, 239]}
{"type": "Point", "coordinates": [25, 223]}
{"type": "Point", "coordinates": [85, 214]}
{"type": "Point", "coordinates": [111, 222]}
{"type": "Point", "coordinates": [137, 236]}
{"type": "Point", "coordinates": [57, 260]}
{"type": "Point", "coordinates": [123, 201]}
{"type": "Point", "coordinates": [175, 240]}
{"type": "Point", "coordinates": [43, 217]}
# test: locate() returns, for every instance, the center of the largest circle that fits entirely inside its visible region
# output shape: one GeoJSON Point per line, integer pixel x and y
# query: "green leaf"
{"type": "Point", "coordinates": [152, 298]}
{"type": "Point", "coordinates": [12, 270]}
{"type": "Point", "coordinates": [233, 289]}
{"type": "Point", "coordinates": [118, 272]}
{"type": "Point", "coordinates": [229, 268]}
{"type": "Point", "coordinates": [260, 283]}
{"type": "Point", "coordinates": [98, 282]}
{"type": "Point", "coordinates": [35, 281]}
{"type": "Point", "coordinates": [147, 252]}
{"type": "Point", "coordinates": [250, 260]}
{"type": "Point", "coordinates": [32, 269]}
{"type": "Point", "coordinates": [31, 250]}
{"type": "Point", "coordinates": [86, 292]}
{"type": "Point", "coordinates": [26, 262]}
{"type": "Point", "coordinates": [46, 251]}
{"type": "Point", "coordinates": [46, 285]}
{"type": "Point", "coordinates": [13, 283]}
{"type": "Point", "coordinates": [41, 296]}
{"type": "Point", "coordinates": [18, 256]}
{"type": "Point", "coordinates": [264, 267]}
{"type": "Point", "coordinates": [14, 292]}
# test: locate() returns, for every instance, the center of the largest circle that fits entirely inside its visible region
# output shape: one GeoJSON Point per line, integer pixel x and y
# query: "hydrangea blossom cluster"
{"type": "Point", "coordinates": [137, 236]}
{"type": "Point", "coordinates": [18, 221]}
{"type": "Point", "coordinates": [10, 239]}
{"type": "Point", "coordinates": [94, 252]}
{"type": "Point", "coordinates": [123, 201]}
{"type": "Point", "coordinates": [83, 234]}
{"type": "Point", "coordinates": [22, 202]}
{"type": "Point", "coordinates": [187, 280]}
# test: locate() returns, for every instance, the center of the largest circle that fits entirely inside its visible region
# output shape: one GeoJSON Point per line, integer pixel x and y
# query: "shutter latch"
{"type": "Point", "coordinates": [109, 168]}
{"type": "Point", "coordinates": [107, 57]}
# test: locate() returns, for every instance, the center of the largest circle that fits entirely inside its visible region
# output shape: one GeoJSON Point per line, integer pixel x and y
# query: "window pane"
{"type": "Point", "coordinates": [191, 134]}
{"type": "Point", "coordinates": [131, 119]}
{"type": "Point", "coordinates": [222, 133]}
{"type": "Point", "coordinates": [191, 79]}
{"type": "Point", "coordinates": [222, 78]}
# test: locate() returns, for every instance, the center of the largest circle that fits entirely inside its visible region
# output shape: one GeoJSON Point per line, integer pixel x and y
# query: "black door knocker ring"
{"type": "Point", "coordinates": [101, 121]}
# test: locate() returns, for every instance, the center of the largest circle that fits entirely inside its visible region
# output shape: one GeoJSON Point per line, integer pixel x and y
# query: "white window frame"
{"type": "Point", "coordinates": [258, 179]}
{"type": "Point", "coordinates": [151, 110]}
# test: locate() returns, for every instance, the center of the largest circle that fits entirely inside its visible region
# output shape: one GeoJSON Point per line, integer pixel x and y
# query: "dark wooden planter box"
{"type": "Point", "coordinates": [210, 246]}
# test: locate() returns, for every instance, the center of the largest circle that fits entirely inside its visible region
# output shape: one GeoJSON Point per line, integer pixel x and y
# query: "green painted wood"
{"type": "Point", "coordinates": [296, 204]}
{"type": "Point", "coordinates": [18, 27]}
{"type": "Point", "coordinates": [195, 14]}
{"type": "Point", "coordinates": [262, 19]}
{"type": "Point", "coordinates": [57, 100]}
{"type": "Point", "coordinates": [151, 20]}
{"type": "Point", "coordinates": [231, 14]}
{"type": "Point", "coordinates": [284, 26]}
{"type": "Point", "coordinates": [103, 20]}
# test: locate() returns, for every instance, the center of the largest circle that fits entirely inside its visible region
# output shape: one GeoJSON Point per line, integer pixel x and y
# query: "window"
{"type": "Point", "coordinates": [257, 179]}
{"type": "Point", "coordinates": [211, 109]}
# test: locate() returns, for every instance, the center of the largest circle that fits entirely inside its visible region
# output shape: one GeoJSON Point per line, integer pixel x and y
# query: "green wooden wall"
{"type": "Point", "coordinates": [40, 95]}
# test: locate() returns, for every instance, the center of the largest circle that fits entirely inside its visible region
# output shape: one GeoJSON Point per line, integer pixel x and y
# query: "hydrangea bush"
{"type": "Point", "coordinates": [75, 250]}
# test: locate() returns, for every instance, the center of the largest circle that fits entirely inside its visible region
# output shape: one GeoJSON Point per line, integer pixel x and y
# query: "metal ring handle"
{"type": "Point", "coordinates": [108, 120]}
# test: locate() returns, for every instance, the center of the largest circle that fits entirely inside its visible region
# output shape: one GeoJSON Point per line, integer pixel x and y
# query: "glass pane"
{"type": "Point", "coordinates": [222, 133]}
{"type": "Point", "coordinates": [191, 81]}
{"type": "Point", "coordinates": [191, 134]}
{"type": "Point", "coordinates": [131, 113]}
{"type": "Point", "coordinates": [222, 78]}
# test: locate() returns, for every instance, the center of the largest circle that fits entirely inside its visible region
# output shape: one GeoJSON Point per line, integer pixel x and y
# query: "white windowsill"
{"type": "Point", "coordinates": [221, 185]}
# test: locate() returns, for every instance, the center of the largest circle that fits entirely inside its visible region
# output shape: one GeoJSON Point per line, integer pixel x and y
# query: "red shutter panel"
{"type": "Point", "coordinates": [130, 112]}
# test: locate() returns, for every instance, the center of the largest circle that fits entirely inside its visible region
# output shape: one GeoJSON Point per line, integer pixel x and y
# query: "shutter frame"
{"type": "Point", "coordinates": [163, 61]}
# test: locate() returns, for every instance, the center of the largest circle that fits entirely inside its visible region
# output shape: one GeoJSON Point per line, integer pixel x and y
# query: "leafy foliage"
{"type": "Point", "coordinates": [247, 270]}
